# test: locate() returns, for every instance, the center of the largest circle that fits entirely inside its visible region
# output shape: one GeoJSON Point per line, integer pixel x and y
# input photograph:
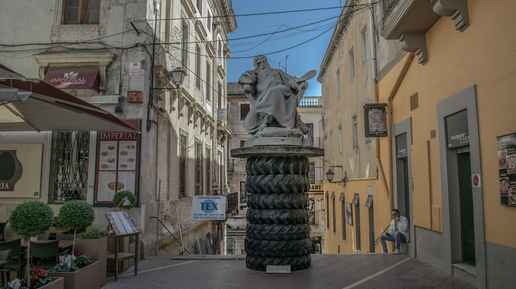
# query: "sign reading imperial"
{"type": "Point", "coordinates": [73, 77]}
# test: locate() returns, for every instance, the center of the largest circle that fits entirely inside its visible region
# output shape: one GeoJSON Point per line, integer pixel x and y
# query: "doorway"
{"type": "Point", "coordinates": [467, 222]}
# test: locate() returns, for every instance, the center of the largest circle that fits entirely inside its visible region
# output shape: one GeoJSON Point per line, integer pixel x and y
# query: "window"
{"type": "Point", "coordinates": [208, 82]}
{"type": "Point", "coordinates": [208, 170]}
{"type": "Point", "coordinates": [82, 11]}
{"type": "Point", "coordinates": [340, 140]}
{"type": "Point", "coordinates": [182, 167]}
{"type": "Point", "coordinates": [343, 210]}
{"type": "Point", "coordinates": [244, 110]}
{"type": "Point", "coordinates": [199, 6]}
{"type": "Point", "coordinates": [184, 46]}
{"type": "Point", "coordinates": [230, 246]}
{"type": "Point", "coordinates": [354, 131]}
{"type": "Point", "coordinates": [219, 95]}
{"type": "Point", "coordinates": [327, 211]}
{"type": "Point", "coordinates": [242, 143]}
{"type": "Point", "coordinates": [209, 21]}
{"type": "Point", "coordinates": [198, 168]}
{"type": "Point", "coordinates": [311, 173]}
{"type": "Point", "coordinates": [333, 212]}
{"type": "Point", "coordinates": [68, 166]}
{"type": "Point", "coordinates": [310, 134]}
{"type": "Point", "coordinates": [338, 83]}
{"type": "Point", "coordinates": [363, 35]}
{"type": "Point", "coordinates": [243, 195]}
{"type": "Point", "coordinates": [198, 67]}
{"type": "Point", "coordinates": [351, 64]}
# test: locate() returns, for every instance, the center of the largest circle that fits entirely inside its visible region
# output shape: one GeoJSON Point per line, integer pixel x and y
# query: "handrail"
{"type": "Point", "coordinates": [170, 232]}
{"type": "Point", "coordinates": [377, 239]}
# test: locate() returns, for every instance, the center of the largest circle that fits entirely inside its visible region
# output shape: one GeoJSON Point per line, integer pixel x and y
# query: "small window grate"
{"type": "Point", "coordinates": [414, 102]}
{"type": "Point", "coordinates": [433, 134]}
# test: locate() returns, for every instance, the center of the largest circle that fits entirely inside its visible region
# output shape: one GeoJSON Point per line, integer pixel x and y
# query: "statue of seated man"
{"type": "Point", "coordinates": [274, 96]}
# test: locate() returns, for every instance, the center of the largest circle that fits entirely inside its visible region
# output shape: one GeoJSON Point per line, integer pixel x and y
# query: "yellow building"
{"type": "Point", "coordinates": [448, 162]}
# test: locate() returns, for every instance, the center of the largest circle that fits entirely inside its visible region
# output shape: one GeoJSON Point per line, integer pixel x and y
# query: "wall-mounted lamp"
{"type": "Point", "coordinates": [178, 76]}
{"type": "Point", "coordinates": [330, 175]}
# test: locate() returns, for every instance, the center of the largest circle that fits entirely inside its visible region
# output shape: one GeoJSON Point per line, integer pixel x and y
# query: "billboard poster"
{"type": "Point", "coordinates": [117, 169]}
{"type": "Point", "coordinates": [209, 208]}
{"type": "Point", "coordinates": [375, 119]}
{"type": "Point", "coordinates": [507, 168]}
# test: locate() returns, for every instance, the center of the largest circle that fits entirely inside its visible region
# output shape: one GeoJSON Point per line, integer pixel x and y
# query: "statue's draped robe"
{"type": "Point", "coordinates": [274, 97]}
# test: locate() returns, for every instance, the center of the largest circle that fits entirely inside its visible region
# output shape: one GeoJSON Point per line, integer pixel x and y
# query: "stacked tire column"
{"type": "Point", "coordinates": [277, 231]}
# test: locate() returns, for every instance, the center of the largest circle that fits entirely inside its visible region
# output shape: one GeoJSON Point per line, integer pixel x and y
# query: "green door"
{"type": "Point", "coordinates": [467, 223]}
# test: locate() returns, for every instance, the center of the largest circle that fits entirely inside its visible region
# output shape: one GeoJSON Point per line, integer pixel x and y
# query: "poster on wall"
{"type": "Point", "coordinates": [375, 119]}
{"type": "Point", "coordinates": [209, 208]}
{"type": "Point", "coordinates": [507, 168]}
{"type": "Point", "coordinates": [118, 155]}
{"type": "Point", "coordinates": [20, 170]}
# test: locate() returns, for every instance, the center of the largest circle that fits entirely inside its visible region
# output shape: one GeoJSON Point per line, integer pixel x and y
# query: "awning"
{"type": "Point", "coordinates": [73, 77]}
{"type": "Point", "coordinates": [37, 106]}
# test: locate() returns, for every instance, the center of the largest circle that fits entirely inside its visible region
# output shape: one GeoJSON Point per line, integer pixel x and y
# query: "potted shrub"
{"type": "Point", "coordinates": [94, 245]}
{"type": "Point", "coordinates": [119, 198]}
{"type": "Point", "coordinates": [76, 215]}
{"type": "Point", "coordinates": [29, 220]}
{"type": "Point", "coordinates": [39, 279]}
{"type": "Point", "coordinates": [78, 271]}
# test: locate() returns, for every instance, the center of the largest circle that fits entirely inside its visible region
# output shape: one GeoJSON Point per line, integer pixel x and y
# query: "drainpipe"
{"type": "Point", "coordinates": [376, 94]}
{"type": "Point", "coordinates": [390, 109]}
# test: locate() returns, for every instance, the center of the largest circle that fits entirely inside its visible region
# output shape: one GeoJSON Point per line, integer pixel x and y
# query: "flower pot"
{"type": "Point", "coordinates": [96, 250]}
{"type": "Point", "coordinates": [85, 278]}
{"type": "Point", "coordinates": [58, 283]}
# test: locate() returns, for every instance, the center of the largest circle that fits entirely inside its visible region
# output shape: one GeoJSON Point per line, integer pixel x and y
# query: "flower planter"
{"type": "Point", "coordinates": [85, 278]}
{"type": "Point", "coordinates": [96, 250]}
{"type": "Point", "coordinates": [58, 283]}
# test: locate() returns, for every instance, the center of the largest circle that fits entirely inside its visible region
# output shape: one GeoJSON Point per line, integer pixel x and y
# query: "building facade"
{"type": "Point", "coordinates": [355, 205]}
{"type": "Point", "coordinates": [124, 53]}
{"type": "Point", "coordinates": [449, 102]}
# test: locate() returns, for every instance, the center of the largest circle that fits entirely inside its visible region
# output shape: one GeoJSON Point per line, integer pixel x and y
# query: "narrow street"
{"type": "Point", "coordinates": [326, 271]}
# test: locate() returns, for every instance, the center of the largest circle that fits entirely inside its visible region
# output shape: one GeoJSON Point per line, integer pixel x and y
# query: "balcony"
{"type": "Point", "coordinates": [310, 101]}
{"type": "Point", "coordinates": [409, 20]}
{"type": "Point", "coordinates": [224, 126]}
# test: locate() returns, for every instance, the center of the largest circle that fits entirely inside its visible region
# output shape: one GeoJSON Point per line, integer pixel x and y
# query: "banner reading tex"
{"type": "Point", "coordinates": [209, 208]}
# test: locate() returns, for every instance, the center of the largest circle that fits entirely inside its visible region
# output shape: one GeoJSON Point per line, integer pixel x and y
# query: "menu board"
{"type": "Point", "coordinates": [121, 223]}
{"type": "Point", "coordinates": [117, 163]}
{"type": "Point", "coordinates": [507, 168]}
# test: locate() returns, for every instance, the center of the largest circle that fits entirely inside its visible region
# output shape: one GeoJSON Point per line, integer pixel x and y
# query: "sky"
{"type": "Point", "coordinates": [298, 60]}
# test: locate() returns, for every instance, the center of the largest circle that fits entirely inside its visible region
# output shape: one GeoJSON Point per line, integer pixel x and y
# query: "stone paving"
{"type": "Point", "coordinates": [344, 271]}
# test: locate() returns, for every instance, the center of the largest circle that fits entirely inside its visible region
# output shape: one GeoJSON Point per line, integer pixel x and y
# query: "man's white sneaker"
{"type": "Point", "coordinates": [396, 252]}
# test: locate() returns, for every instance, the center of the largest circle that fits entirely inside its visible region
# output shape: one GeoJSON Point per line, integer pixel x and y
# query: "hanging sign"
{"type": "Point", "coordinates": [375, 119]}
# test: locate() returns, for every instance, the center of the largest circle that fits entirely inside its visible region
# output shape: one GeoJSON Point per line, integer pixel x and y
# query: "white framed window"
{"type": "Point", "coordinates": [363, 36]}
{"type": "Point", "coordinates": [337, 80]}
{"type": "Point", "coordinates": [351, 64]}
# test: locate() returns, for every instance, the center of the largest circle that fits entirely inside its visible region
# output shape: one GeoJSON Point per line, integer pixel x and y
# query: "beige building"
{"type": "Point", "coordinates": [124, 52]}
{"type": "Point", "coordinates": [354, 59]}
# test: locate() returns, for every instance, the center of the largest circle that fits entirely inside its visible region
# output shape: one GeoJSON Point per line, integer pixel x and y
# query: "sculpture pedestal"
{"type": "Point", "coordinates": [278, 232]}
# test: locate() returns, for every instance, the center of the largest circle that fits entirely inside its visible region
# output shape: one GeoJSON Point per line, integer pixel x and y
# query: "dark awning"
{"type": "Point", "coordinates": [30, 105]}
{"type": "Point", "coordinates": [73, 77]}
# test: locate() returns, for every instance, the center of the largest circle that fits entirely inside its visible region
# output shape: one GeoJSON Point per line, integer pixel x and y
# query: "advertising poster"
{"type": "Point", "coordinates": [507, 168]}
{"type": "Point", "coordinates": [209, 208]}
{"type": "Point", "coordinates": [375, 119]}
{"type": "Point", "coordinates": [117, 163]}
{"type": "Point", "coordinates": [20, 170]}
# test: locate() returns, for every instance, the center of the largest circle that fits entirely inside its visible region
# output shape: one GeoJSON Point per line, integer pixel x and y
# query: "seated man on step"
{"type": "Point", "coordinates": [398, 232]}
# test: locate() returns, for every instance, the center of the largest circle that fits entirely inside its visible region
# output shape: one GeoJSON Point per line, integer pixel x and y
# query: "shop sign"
{"type": "Point", "coordinates": [118, 158]}
{"type": "Point", "coordinates": [375, 119]}
{"type": "Point", "coordinates": [457, 129]}
{"type": "Point", "coordinates": [507, 168]}
{"type": "Point", "coordinates": [73, 77]}
{"type": "Point", "coordinates": [20, 170]}
{"type": "Point", "coordinates": [209, 208]}
{"type": "Point", "coordinates": [316, 188]}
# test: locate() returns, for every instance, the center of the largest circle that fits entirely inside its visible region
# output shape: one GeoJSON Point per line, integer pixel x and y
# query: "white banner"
{"type": "Point", "coordinates": [209, 208]}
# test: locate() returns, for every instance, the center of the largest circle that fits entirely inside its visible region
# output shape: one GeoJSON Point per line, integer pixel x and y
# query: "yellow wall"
{"type": "Point", "coordinates": [381, 215]}
{"type": "Point", "coordinates": [483, 55]}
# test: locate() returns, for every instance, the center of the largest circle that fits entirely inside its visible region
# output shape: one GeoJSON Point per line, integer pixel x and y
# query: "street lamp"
{"type": "Point", "coordinates": [330, 175]}
{"type": "Point", "coordinates": [177, 76]}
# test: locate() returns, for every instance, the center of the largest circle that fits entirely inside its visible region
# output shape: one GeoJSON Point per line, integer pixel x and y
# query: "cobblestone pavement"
{"type": "Point", "coordinates": [326, 271]}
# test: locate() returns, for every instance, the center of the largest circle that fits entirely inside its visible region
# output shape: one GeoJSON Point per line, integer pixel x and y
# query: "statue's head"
{"type": "Point", "coordinates": [260, 61]}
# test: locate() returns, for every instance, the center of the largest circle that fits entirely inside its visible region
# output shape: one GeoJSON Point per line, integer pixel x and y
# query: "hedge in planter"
{"type": "Point", "coordinates": [76, 215]}
{"type": "Point", "coordinates": [31, 219]}
{"type": "Point", "coordinates": [94, 244]}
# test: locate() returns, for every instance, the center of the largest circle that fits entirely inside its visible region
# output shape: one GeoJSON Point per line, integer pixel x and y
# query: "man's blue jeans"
{"type": "Point", "coordinates": [398, 237]}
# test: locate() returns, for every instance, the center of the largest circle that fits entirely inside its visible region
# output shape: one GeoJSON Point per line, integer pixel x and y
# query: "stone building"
{"type": "Point", "coordinates": [124, 51]}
